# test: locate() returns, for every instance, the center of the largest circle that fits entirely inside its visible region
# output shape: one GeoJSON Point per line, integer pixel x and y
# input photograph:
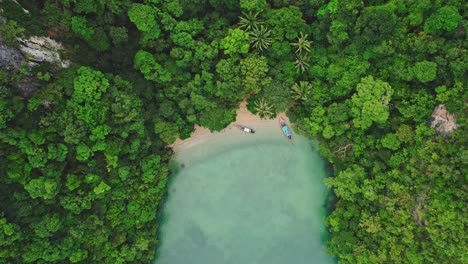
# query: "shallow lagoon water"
{"type": "Point", "coordinates": [240, 198]}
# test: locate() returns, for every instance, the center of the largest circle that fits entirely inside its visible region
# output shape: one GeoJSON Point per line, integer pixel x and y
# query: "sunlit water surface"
{"type": "Point", "coordinates": [238, 198]}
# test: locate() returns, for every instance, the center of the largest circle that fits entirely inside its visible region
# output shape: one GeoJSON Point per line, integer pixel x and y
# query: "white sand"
{"type": "Point", "coordinates": [243, 117]}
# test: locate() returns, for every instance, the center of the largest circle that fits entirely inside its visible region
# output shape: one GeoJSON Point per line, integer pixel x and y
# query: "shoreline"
{"type": "Point", "coordinates": [243, 117]}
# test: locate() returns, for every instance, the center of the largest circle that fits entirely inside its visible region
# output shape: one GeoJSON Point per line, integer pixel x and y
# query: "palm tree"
{"type": "Point", "coordinates": [301, 91]}
{"type": "Point", "coordinates": [260, 37]}
{"type": "Point", "coordinates": [249, 21]}
{"type": "Point", "coordinates": [263, 108]}
{"type": "Point", "coordinates": [301, 62]}
{"type": "Point", "coordinates": [302, 44]}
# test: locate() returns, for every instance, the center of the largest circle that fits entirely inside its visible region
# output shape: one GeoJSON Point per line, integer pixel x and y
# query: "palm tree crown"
{"type": "Point", "coordinates": [301, 91]}
{"type": "Point", "coordinates": [260, 37]}
{"type": "Point", "coordinates": [301, 62]}
{"type": "Point", "coordinates": [249, 21]}
{"type": "Point", "coordinates": [263, 108]}
{"type": "Point", "coordinates": [302, 45]}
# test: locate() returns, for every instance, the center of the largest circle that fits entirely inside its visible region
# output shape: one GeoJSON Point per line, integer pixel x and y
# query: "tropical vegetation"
{"type": "Point", "coordinates": [83, 158]}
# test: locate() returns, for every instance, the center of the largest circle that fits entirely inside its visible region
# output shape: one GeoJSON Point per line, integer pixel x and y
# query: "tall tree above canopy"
{"type": "Point", "coordinates": [425, 71]}
{"type": "Point", "coordinates": [445, 18]}
{"type": "Point", "coordinates": [285, 23]}
{"type": "Point", "coordinates": [143, 16]}
{"type": "Point", "coordinates": [236, 42]}
{"type": "Point", "coordinates": [370, 103]}
{"type": "Point", "coordinates": [89, 85]}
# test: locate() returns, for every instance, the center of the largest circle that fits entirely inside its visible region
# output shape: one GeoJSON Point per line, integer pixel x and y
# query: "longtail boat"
{"type": "Point", "coordinates": [285, 128]}
{"type": "Point", "coordinates": [246, 129]}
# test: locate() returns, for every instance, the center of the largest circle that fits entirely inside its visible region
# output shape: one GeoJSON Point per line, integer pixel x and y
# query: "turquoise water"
{"type": "Point", "coordinates": [240, 198]}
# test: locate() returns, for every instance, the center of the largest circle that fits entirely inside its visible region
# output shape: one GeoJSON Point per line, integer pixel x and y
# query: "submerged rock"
{"type": "Point", "coordinates": [442, 121]}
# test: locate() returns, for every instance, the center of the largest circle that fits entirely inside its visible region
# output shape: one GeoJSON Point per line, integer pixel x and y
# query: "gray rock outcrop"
{"type": "Point", "coordinates": [43, 49]}
{"type": "Point", "coordinates": [10, 58]}
{"type": "Point", "coordinates": [32, 51]}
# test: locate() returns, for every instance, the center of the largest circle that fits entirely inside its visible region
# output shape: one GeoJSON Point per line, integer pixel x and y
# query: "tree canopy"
{"type": "Point", "coordinates": [84, 156]}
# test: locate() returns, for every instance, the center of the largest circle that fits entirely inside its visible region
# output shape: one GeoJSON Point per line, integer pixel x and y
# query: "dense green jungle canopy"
{"type": "Point", "coordinates": [83, 162]}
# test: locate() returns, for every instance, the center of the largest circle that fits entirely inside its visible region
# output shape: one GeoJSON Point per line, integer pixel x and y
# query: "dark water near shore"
{"type": "Point", "coordinates": [238, 198]}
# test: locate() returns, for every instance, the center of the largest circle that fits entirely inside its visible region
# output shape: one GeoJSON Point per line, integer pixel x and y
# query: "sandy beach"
{"type": "Point", "coordinates": [243, 117]}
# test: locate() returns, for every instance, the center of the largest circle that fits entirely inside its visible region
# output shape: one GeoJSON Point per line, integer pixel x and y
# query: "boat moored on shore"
{"type": "Point", "coordinates": [285, 128]}
{"type": "Point", "coordinates": [246, 129]}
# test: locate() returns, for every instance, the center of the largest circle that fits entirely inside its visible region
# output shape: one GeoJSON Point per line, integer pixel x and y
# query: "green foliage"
{"type": "Point", "coordinates": [278, 95]}
{"type": "Point", "coordinates": [9, 236]}
{"type": "Point", "coordinates": [57, 152]}
{"type": "Point", "coordinates": [216, 119]}
{"type": "Point", "coordinates": [84, 158]}
{"type": "Point", "coordinates": [260, 38]}
{"type": "Point", "coordinates": [152, 70]}
{"type": "Point", "coordinates": [285, 23]}
{"type": "Point", "coordinates": [302, 62]}
{"type": "Point", "coordinates": [47, 226]}
{"type": "Point", "coordinates": [66, 161]}
{"type": "Point", "coordinates": [254, 71]}
{"type": "Point", "coordinates": [253, 5]}
{"type": "Point", "coordinates": [445, 18]}
{"type": "Point", "coordinates": [83, 152]}
{"type": "Point", "coordinates": [347, 184]}
{"type": "Point", "coordinates": [376, 23]}
{"type": "Point", "coordinates": [3, 77]}
{"type": "Point", "coordinates": [79, 26]}
{"type": "Point", "coordinates": [167, 131]}
{"type": "Point", "coordinates": [88, 6]}
{"type": "Point", "coordinates": [264, 109]}
{"type": "Point", "coordinates": [118, 35]}
{"type": "Point", "coordinates": [425, 71]}
{"type": "Point", "coordinates": [331, 8]}
{"type": "Point", "coordinates": [11, 31]}
{"type": "Point", "coordinates": [101, 188]}
{"type": "Point", "coordinates": [78, 256]}
{"type": "Point", "coordinates": [302, 45]}
{"type": "Point", "coordinates": [405, 133]}
{"type": "Point", "coordinates": [391, 141]}
{"type": "Point", "coordinates": [99, 41]}
{"type": "Point", "coordinates": [236, 42]}
{"type": "Point", "coordinates": [42, 187]}
{"type": "Point", "coordinates": [301, 91]}
{"type": "Point", "coordinates": [30, 21]}
{"type": "Point", "coordinates": [249, 21]}
{"type": "Point", "coordinates": [89, 85]}
{"type": "Point", "coordinates": [43, 76]}
{"type": "Point", "coordinates": [143, 16]}
{"type": "Point", "coordinates": [370, 103]}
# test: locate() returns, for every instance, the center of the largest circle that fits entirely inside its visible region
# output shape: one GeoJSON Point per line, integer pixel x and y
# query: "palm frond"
{"type": "Point", "coordinates": [260, 38]}
{"type": "Point", "coordinates": [301, 91]}
{"type": "Point", "coordinates": [301, 62]}
{"type": "Point", "coordinates": [263, 108]}
{"type": "Point", "coordinates": [302, 45]}
{"type": "Point", "coordinates": [249, 21]}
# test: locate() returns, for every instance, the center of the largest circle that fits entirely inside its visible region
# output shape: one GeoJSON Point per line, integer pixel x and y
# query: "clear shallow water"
{"type": "Point", "coordinates": [240, 198]}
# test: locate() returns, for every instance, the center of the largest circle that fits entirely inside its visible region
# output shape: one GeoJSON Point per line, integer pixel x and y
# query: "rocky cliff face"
{"type": "Point", "coordinates": [43, 49]}
{"type": "Point", "coordinates": [10, 58]}
{"type": "Point", "coordinates": [32, 52]}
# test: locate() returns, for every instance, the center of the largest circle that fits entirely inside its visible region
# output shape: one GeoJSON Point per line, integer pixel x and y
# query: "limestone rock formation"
{"type": "Point", "coordinates": [442, 121]}
{"type": "Point", "coordinates": [10, 58]}
{"type": "Point", "coordinates": [43, 49]}
{"type": "Point", "coordinates": [32, 52]}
